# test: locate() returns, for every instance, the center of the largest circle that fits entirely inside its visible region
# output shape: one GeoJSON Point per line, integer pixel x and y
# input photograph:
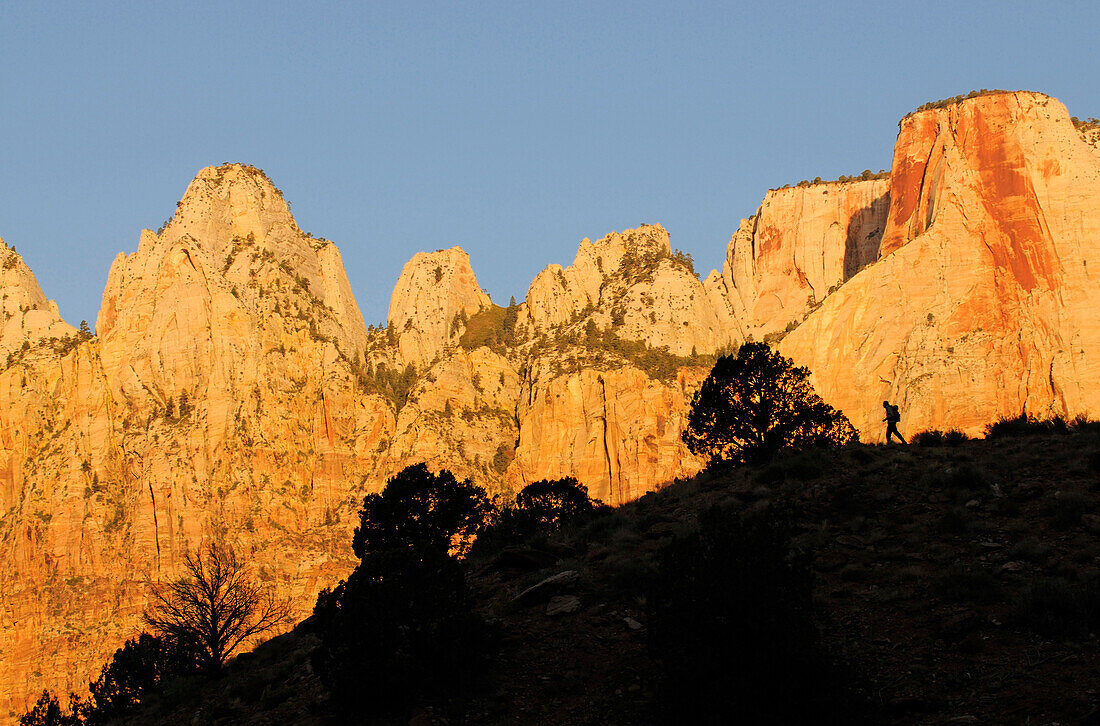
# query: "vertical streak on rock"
{"type": "Point", "coordinates": [156, 527]}
{"type": "Point", "coordinates": [614, 486]}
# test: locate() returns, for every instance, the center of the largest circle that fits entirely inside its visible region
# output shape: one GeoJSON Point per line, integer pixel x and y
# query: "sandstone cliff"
{"type": "Point", "coordinates": [28, 317]}
{"type": "Point", "coordinates": [802, 244]}
{"type": "Point", "coordinates": [219, 399]}
{"type": "Point", "coordinates": [982, 304]}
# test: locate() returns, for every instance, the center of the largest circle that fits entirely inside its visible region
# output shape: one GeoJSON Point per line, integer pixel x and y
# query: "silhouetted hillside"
{"type": "Point", "coordinates": [950, 580]}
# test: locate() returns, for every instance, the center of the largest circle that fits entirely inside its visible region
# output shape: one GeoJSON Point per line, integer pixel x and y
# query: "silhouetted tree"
{"type": "Point", "coordinates": [755, 404]}
{"type": "Point", "coordinates": [136, 670]}
{"type": "Point", "coordinates": [540, 508]}
{"type": "Point", "coordinates": [214, 607]}
{"type": "Point", "coordinates": [48, 712]}
{"type": "Point", "coordinates": [548, 503]}
{"type": "Point", "coordinates": [403, 625]}
{"type": "Point", "coordinates": [423, 510]}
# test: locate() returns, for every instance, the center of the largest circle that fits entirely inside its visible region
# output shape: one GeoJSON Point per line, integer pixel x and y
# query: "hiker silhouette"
{"type": "Point", "coordinates": [892, 418]}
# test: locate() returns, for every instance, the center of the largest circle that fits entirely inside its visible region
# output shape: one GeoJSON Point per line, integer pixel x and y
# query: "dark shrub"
{"type": "Point", "coordinates": [1067, 508]}
{"type": "Point", "coordinates": [1093, 465]}
{"type": "Point", "coordinates": [731, 627]}
{"type": "Point", "coordinates": [48, 712]}
{"type": "Point", "coordinates": [955, 520]}
{"type": "Point", "coordinates": [756, 404]}
{"type": "Point", "coordinates": [421, 509]}
{"type": "Point", "coordinates": [965, 584]}
{"type": "Point", "coordinates": [963, 477]}
{"type": "Point", "coordinates": [540, 509]}
{"type": "Point", "coordinates": [136, 671]}
{"type": "Point", "coordinates": [548, 504]}
{"type": "Point", "coordinates": [932, 437]}
{"type": "Point", "coordinates": [1030, 549]}
{"type": "Point", "coordinates": [1024, 425]}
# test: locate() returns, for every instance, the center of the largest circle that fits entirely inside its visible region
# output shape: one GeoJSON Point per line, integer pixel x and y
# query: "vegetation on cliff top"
{"type": "Point", "coordinates": [956, 100]}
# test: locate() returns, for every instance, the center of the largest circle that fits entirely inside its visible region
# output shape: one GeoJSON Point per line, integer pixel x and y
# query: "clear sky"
{"type": "Point", "coordinates": [513, 129]}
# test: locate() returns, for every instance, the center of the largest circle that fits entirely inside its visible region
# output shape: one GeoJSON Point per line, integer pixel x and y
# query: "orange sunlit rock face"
{"type": "Point", "coordinates": [982, 304]}
{"type": "Point", "coordinates": [801, 245]}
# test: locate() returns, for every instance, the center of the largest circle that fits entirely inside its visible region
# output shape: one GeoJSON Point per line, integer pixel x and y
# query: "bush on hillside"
{"type": "Point", "coordinates": [1025, 425]}
{"type": "Point", "coordinates": [756, 404]}
{"type": "Point", "coordinates": [933, 437]}
{"type": "Point", "coordinates": [421, 510]}
{"type": "Point", "coordinates": [402, 629]}
{"type": "Point", "coordinates": [540, 509]}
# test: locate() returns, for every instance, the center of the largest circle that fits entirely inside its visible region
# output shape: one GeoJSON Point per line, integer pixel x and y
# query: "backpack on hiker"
{"type": "Point", "coordinates": [892, 414]}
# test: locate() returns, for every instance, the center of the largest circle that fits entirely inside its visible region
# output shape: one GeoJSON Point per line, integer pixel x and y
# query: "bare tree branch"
{"type": "Point", "coordinates": [214, 607]}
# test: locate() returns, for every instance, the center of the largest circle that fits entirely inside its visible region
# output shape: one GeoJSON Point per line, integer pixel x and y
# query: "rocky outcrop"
{"type": "Point", "coordinates": [632, 282]}
{"type": "Point", "coordinates": [800, 246]}
{"type": "Point", "coordinates": [435, 289]}
{"type": "Point", "coordinates": [28, 317]}
{"type": "Point", "coordinates": [983, 304]}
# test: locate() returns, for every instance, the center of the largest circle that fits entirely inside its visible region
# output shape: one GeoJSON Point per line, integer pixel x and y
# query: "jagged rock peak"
{"type": "Point", "coordinates": [433, 290]}
{"type": "Point", "coordinates": [234, 201]}
{"type": "Point", "coordinates": [231, 275]}
{"type": "Point", "coordinates": [28, 316]}
{"type": "Point", "coordinates": [633, 283]}
{"type": "Point", "coordinates": [557, 294]}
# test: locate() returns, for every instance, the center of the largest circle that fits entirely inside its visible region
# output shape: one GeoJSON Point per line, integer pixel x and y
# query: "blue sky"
{"type": "Point", "coordinates": [512, 129]}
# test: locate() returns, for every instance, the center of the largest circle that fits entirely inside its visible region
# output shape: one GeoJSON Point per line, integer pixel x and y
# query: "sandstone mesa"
{"type": "Point", "coordinates": [233, 390]}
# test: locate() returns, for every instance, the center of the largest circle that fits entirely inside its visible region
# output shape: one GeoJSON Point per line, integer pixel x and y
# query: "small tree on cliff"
{"type": "Point", "coordinates": [214, 607]}
{"type": "Point", "coordinates": [755, 404]}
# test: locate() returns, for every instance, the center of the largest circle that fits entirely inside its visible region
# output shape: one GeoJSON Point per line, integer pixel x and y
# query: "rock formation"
{"type": "Point", "coordinates": [28, 317]}
{"type": "Point", "coordinates": [434, 289]}
{"type": "Point", "coordinates": [217, 400]}
{"type": "Point", "coordinates": [802, 244]}
{"type": "Point", "coordinates": [982, 303]}
{"type": "Point", "coordinates": [634, 282]}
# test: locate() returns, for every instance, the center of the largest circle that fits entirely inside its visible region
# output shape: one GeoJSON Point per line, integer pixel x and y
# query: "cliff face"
{"type": "Point", "coordinates": [802, 244]}
{"type": "Point", "coordinates": [433, 290]}
{"type": "Point", "coordinates": [983, 304]}
{"type": "Point", "coordinates": [218, 400]}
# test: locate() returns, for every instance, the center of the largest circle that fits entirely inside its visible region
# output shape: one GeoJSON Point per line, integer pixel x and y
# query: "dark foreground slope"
{"type": "Point", "coordinates": [957, 583]}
